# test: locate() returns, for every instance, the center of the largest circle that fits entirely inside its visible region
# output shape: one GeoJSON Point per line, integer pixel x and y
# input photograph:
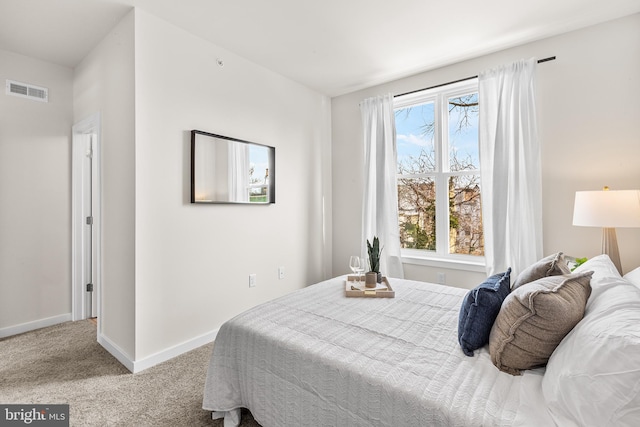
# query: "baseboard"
{"type": "Point", "coordinates": [122, 357]}
{"type": "Point", "coordinates": [116, 351]}
{"type": "Point", "coordinates": [171, 352]}
{"type": "Point", "coordinates": [32, 326]}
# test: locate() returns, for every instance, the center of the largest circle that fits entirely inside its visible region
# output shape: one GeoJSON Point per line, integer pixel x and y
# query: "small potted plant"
{"type": "Point", "coordinates": [373, 276]}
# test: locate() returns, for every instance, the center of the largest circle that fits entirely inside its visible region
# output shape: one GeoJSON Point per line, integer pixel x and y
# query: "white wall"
{"type": "Point", "coordinates": [588, 122]}
{"type": "Point", "coordinates": [590, 128]}
{"type": "Point", "coordinates": [104, 83]}
{"type": "Point", "coordinates": [192, 261]}
{"type": "Point", "coordinates": [35, 197]}
{"type": "Point", "coordinates": [173, 272]}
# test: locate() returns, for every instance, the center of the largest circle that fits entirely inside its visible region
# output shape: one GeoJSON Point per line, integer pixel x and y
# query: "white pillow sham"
{"type": "Point", "coordinates": [593, 376]}
{"type": "Point", "coordinates": [633, 276]}
{"type": "Point", "coordinates": [602, 267]}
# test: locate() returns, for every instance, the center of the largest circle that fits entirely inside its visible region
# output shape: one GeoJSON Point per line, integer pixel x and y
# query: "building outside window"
{"type": "Point", "coordinates": [439, 195]}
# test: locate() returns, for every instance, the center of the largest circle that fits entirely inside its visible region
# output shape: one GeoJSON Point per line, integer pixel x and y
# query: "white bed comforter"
{"type": "Point", "coordinates": [318, 358]}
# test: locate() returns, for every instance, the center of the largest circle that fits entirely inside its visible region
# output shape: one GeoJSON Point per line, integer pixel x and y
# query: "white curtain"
{"type": "Point", "coordinates": [510, 171]}
{"type": "Point", "coordinates": [380, 204]}
{"type": "Point", "coordinates": [238, 172]}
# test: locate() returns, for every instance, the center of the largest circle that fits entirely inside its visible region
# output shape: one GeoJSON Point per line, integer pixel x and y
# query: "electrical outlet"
{"type": "Point", "coordinates": [280, 273]}
{"type": "Point", "coordinates": [442, 278]}
{"type": "Point", "coordinates": [252, 280]}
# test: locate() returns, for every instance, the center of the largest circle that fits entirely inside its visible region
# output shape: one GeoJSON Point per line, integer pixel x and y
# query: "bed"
{"type": "Point", "coordinates": [317, 358]}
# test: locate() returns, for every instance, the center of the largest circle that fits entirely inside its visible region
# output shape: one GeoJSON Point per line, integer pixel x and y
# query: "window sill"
{"type": "Point", "coordinates": [465, 263]}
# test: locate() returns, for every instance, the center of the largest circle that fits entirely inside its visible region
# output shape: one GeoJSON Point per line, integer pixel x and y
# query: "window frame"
{"type": "Point", "coordinates": [441, 256]}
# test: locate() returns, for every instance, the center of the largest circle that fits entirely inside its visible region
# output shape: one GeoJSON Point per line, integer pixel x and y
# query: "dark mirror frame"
{"type": "Point", "coordinates": [271, 188]}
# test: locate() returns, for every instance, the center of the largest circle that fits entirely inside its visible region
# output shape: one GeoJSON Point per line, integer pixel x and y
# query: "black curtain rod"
{"type": "Point", "coordinates": [551, 58]}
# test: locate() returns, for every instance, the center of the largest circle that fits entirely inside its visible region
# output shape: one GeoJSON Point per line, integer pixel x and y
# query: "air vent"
{"type": "Point", "coordinates": [26, 90]}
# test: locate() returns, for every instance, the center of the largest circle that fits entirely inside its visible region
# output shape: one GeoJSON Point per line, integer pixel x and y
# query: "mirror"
{"type": "Point", "coordinates": [229, 170]}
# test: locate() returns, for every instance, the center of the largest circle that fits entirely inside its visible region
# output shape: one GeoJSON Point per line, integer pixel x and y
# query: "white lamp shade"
{"type": "Point", "coordinates": [607, 208]}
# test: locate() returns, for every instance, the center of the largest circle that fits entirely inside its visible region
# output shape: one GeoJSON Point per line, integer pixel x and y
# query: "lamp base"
{"type": "Point", "coordinates": [610, 247]}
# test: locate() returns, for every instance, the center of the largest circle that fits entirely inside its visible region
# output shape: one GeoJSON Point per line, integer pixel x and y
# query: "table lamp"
{"type": "Point", "coordinates": [608, 209]}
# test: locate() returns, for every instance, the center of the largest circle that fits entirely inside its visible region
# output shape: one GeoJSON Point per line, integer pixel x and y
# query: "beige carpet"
{"type": "Point", "coordinates": [65, 364]}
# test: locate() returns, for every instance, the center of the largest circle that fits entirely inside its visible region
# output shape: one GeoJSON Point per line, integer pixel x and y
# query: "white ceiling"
{"type": "Point", "coordinates": [332, 46]}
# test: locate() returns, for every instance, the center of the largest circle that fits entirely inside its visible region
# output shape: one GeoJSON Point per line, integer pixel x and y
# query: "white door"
{"type": "Point", "coordinates": [87, 244]}
{"type": "Point", "coordinates": [86, 197]}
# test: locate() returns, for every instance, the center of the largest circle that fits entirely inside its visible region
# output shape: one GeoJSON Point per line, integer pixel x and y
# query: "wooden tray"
{"type": "Point", "coordinates": [389, 293]}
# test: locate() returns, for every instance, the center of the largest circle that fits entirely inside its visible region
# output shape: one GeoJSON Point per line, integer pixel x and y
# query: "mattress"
{"type": "Point", "coordinates": [317, 358]}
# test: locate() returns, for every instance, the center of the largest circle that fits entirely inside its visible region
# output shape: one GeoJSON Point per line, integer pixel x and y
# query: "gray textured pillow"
{"type": "Point", "coordinates": [534, 319]}
{"type": "Point", "coordinates": [553, 265]}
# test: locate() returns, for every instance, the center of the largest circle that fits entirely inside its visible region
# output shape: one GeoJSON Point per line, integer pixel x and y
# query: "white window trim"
{"type": "Point", "coordinates": [440, 258]}
{"type": "Point", "coordinates": [450, 261]}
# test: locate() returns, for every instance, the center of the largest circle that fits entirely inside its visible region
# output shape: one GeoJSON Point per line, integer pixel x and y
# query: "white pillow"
{"type": "Point", "coordinates": [633, 276]}
{"type": "Point", "coordinates": [602, 267]}
{"type": "Point", "coordinates": [593, 376]}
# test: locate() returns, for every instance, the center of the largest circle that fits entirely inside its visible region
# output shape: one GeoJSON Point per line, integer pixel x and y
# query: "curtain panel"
{"type": "Point", "coordinates": [239, 172]}
{"type": "Point", "coordinates": [510, 167]}
{"type": "Point", "coordinates": [380, 199]}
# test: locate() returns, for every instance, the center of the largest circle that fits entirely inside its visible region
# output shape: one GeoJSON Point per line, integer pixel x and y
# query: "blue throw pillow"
{"type": "Point", "coordinates": [479, 310]}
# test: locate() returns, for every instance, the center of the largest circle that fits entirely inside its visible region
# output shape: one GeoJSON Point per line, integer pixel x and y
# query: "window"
{"type": "Point", "coordinates": [439, 203]}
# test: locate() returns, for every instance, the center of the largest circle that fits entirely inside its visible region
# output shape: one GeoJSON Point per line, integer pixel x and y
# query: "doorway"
{"type": "Point", "coordinates": [85, 196]}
